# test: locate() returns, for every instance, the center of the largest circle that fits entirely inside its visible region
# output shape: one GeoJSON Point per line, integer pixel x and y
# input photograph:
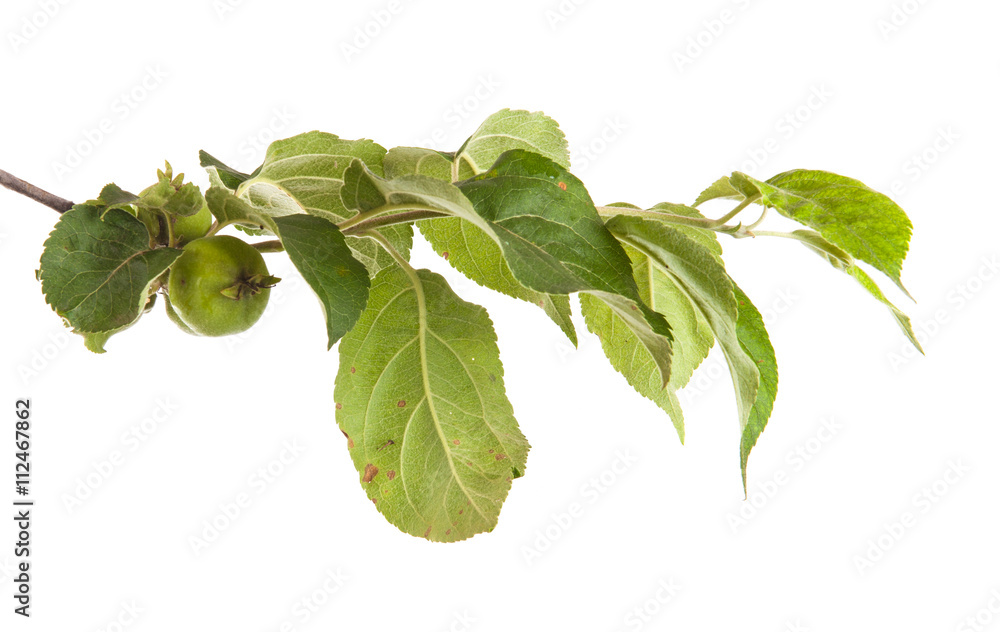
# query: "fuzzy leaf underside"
{"type": "Point", "coordinates": [420, 396]}
{"type": "Point", "coordinates": [309, 168]}
{"type": "Point", "coordinates": [507, 130]}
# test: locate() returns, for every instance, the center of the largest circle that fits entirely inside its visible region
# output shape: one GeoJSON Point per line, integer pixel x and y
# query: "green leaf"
{"type": "Point", "coordinates": [507, 130]}
{"type": "Point", "coordinates": [720, 189]}
{"type": "Point", "coordinates": [837, 257]}
{"type": "Point", "coordinates": [864, 222]}
{"type": "Point", "coordinates": [551, 235]}
{"type": "Point", "coordinates": [96, 273]}
{"type": "Point", "coordinates": [319, 251]}
{"type": "Point", "coordinates": [374, 256]}
{"type": "Point", "coordinates": [757, 345]}
{"type": "Point", "coordinates": [308, 171]}
{"type": "Point", "coordinates": [113, 196]}
{"type": "Point", "coordinates": [843, 262]}
{"type": "Point", "coordinates": [644, 359]}
{"type": "Point", "coordinates": [181, 202]}
{"type": "Point", "coordinates": [364, 191]}
{"type": "Point", "coordinates": [901, 319]}
{"type": "Point", "coordinates": [230, 177]}
{"type": "Point", "coordinates": [631, 353]}
{"type": "Point", "coordinates": [229, 209]}
{"type": "Point", "coordinates": [501, 132]}
{"type": "Point", "coordinates": [706, 238]}
{"type": "Point", "coordinates": [467, 247]}
{"type": "Point", "coordinates": [473, 253]}
{"type": "Point", "coordinates": [408, 161]}
{"type": "Point", "coordinates": [305, 174]}
{"type": "Point", "coordinates": [420, 396]}
{"type": "Point", "coordinates": [703, 278]}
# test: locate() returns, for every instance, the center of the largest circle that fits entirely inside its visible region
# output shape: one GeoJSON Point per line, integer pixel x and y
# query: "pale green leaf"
{"type": "Point", "coordinates": [374, 256]}
{"type": "Point", "coordinates": [408, 161]}
{"type": "Point", "coordinates": [420, 396]}
{"type": "Point", "coordinates": [507, 130]}
{"type": "Point", "coordinates": [228, 209]}
{"type": "Point", "coordinates": [703, 278]}
{"type": "Point", "coordinates": [720, 189]}
{"type": "Point", "coordinates": [309, 169]}
{"type": "Point", "coordinates": [229, 177]}
{"type": "Point", "coordinates": [640, 359]}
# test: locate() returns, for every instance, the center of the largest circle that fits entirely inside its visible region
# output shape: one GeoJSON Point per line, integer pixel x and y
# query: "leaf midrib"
{"type": "Point", "coordinates": [422, 328]}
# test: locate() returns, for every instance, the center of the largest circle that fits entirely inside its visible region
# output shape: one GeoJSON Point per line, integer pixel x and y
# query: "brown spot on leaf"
{"type": "Point", "coordinates": [374, 501]}
{"type": "Point", "coordinates": [350, 443]}
{"type": "Point", "coordinates": [428, 532]}
{"type": "Point", "coordinates": [634, 308]}
{"type": "Point", "coordinates": [401, 403]}
{"type": "Point", "coordinates": [461, 511]}
{"type": "Point", "coordinates": [469, 463]}
{"type": "Point", "coordinates": [391, 474]}
{"type": "Point", "coordinates": [445, 255]}
{"type": "Point", "coordinates": [353, 370]}
{"type": "Point", "coordinates": [491, 451]}
{"type": "Point", "coordinates": [500, 457]}
{"type": "Point", "coordinates": [339, 405]}
{"type": "Point", "coordinates": [448, 532]}
{"type": "Point", "coordinates": [370, 472]}
{"type": "Point", "coordinates": [387, 444]}
{"type": "Point", "coordinates": [456, 442]}
{"type": "Point", "coordinates": [344, 433]}
{"type": "Point", "coordinates": [562, 185]}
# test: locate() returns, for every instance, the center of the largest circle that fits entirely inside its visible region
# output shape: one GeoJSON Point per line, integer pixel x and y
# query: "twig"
{"type": "Point", "coordinates": [29, 190]}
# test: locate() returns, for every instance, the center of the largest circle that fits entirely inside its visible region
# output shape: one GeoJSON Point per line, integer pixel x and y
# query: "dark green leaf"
{"type": "Point", "coordinates": [467, 247]}
{"type": "Point", "coordinates": [96, 273]}
{"type": "Point", "coordinates": [551, 235]}
{"type": "Point", "coordinates": [319, 251]}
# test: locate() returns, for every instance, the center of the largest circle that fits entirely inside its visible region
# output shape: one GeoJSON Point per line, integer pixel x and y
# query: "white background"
{"type": "Point", "coordinates": [645, 127]}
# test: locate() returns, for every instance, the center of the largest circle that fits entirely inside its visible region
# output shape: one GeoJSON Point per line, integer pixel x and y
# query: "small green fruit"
{"type": "Point", "coordinates": [187, 229]}
{"type": "Point", "coordinates": [219, 286]}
